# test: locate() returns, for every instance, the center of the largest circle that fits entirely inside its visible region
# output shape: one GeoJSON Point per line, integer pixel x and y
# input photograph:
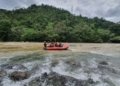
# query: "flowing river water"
{"type": "Point", "coordinates": [63, 68]}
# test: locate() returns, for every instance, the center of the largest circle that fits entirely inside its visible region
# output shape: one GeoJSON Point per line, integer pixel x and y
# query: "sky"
{"type": "Point", "coordinates": [108, 9]}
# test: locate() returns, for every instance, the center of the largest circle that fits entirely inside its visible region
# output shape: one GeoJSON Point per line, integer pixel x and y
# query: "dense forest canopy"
{"type": "Point", "coordinates": [40, 23]}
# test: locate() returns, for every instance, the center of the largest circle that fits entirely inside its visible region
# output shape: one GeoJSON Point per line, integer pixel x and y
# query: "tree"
{"type": "Point", "coordinates": [105, 35]}
{"type": "Point", "coordinates": [40, 23]}
{"type": "Point", "coordinates": [5, 30]}
{"type": "Point", "coordinates": [115, 39]}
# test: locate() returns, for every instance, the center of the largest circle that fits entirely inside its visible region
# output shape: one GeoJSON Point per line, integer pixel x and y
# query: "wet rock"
{"type": "Point", "coordinates": [3, 73]}
{"type": "Point", "coordinates": [104, 63]}
{"type": "Point", "coordinates": [45, 75]}
{"type": "Point", "coordinates": [109, 69]}
{"type": "Point", "coordinates": [18, 75]}
{"type": "Point", "coordinates": [54, 62]}
{"type": "Point", "coordinates": [14, 66]}
{"type": "Point", "coordinates": [54, 79]}
{"type": "Point", "coordinates": [1, 83]}
{"type": "Point", "coordinates": [73, 63]}
{"type": "Point", "coordinates": [103, 67]}
{"type": "Point", "coordinates": [91, 81]}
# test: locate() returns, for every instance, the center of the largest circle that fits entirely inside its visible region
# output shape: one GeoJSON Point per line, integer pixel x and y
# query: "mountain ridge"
{"type": "Point", "coordinates": [40, 23]}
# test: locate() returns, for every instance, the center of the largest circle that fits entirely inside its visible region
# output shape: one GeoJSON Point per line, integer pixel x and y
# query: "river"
{"type": "Point", "coordinates": [81, 65]}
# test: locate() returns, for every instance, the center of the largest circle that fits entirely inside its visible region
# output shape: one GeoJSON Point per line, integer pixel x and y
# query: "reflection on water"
{"type": "Point", "coordinates": [92, 69]}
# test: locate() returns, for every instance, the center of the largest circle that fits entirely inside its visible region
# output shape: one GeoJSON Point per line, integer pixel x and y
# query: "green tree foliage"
{"type": "Point", "coordinates": [40, 23]}
{"type": "Point", "coordinates": [116, 39]}
{"type": "Point", "coordinates": [104, 35]}
{"type": "Point", "coordinates": [5, 30]}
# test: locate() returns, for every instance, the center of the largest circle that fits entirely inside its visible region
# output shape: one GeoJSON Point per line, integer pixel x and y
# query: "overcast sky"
{"type": "Point", "coordinates": [108, 9]}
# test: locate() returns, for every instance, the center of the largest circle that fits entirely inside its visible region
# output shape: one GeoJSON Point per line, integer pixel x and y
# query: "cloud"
{"type": "Point", "coordinates": [108, 9]}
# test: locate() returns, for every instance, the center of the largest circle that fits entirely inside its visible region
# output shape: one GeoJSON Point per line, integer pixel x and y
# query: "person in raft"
{"type": "Point", "coordinates": [45, 44]}
{"type": "Point", "coordinates": [60, 44]}
{"type": "Point", "coordinates": [52, 44]}
{"type": "Point", "coordinates": [56, 44]}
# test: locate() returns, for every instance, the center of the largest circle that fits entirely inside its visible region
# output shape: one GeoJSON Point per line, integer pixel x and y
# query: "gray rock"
{"type": "Point", "coordinates": [3, 73]}
{"type": "Point", "coordinates": [108, 68]}
{"type": "Point", "coordinates": [18, 75]}
{"type": "Point", "coordinates": [54, 62]}
{"type": "Point", "coordinates": [73, 63]}
{"type": "Point", "coordinates": [103, 63]}
{"type": "Point", "coordinates": [1, 83]}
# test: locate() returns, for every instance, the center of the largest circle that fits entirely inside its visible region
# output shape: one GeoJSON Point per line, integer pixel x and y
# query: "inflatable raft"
{"type": "Point", "coordinates": [64, 46]}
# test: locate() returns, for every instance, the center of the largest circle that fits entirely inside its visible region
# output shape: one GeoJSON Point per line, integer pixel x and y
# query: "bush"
{"type": "Point", "coordinates": [5, 30]}
{"type": "Point", "coordinates": [116, 39]}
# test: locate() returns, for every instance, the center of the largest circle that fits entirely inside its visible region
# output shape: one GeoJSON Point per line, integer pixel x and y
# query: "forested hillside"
{"type": "Point", "coordinates": [40, 23]}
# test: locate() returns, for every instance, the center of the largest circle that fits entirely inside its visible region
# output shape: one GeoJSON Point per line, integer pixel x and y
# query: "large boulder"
{"type": "Point", "coordinates": [54, 79]}
{"type": "Point", "coordinates": [18, 75]}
